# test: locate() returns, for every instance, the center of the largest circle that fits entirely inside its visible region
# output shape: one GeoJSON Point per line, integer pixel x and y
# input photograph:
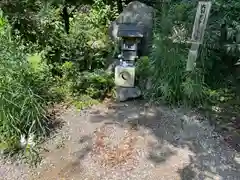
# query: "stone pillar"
{"type": "Point", "coordinates": [142, 15]}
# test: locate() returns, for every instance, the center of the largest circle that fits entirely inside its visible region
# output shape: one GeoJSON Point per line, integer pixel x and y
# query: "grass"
{"type": "Point", "coordinates": [22, 103]}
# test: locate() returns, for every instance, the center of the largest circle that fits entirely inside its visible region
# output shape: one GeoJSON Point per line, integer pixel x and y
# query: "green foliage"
{"type": "Point", "coordinates": [38, 76]}
{"type": "Point", "coordinates": [94, 84]}
{"type": "Point", "coordinates": [143, 67]}
{"type": "Point", "coordinates": [170, 81]}
{"type": "Point", "coordinates": [168, 61]}
{"type": "Point", "coordinates": [221, 47]}
{"type": "Point", "coordinates": [40, 62]}
{"type": "Point", "coordinates": [101, 14]}
{"type": "Point", "coordinates": [143, 72]}
{"type": "Point", "coordinates": [22, 91]}
{"type": "Point", "coordinates": [221, 95]}
{"type": "Point", "coordinates": [41, 25]}
{"type": "Point", "coordinates": [87, 44]}
{"type": "Point", "coordinates": [84, 102]}
{"type": "Point", "coordinates": [217, 56]}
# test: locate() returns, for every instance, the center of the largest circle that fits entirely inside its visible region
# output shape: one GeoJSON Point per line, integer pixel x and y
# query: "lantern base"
{"type": "Point", "coordinates": [124, 93]}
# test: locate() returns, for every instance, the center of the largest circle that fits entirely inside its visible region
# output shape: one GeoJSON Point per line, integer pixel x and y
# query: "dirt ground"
{"type": "Point", "coordinates": [132, 141]}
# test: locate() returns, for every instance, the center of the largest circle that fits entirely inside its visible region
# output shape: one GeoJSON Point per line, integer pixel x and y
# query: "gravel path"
{"type": "Point", "coordinates": [132, 141]}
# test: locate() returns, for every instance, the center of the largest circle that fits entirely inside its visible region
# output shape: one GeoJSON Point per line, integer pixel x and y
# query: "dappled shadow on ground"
{"type": "Point", "coordinates": [157, 141]}
{"type": "Point", "coordinates": [225, 117]}
{"type": "Point", "coordinates": [175, 132]}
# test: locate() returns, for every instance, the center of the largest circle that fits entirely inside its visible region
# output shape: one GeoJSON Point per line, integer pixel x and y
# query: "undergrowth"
{"type": "Point", "coordinates": [167, 61]}
{"type": "Point", "coordinates": [167, 64]}
{"type": "Point", "coordinates": [23, 90]}
{"type": "Point", "coordinates": [82, 89]}
{"type": "Point", "coordinates": [43, 64]}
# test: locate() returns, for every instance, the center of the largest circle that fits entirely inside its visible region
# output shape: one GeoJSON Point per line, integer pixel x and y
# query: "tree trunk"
{"type": "Point", "coordinates": [66, 16]}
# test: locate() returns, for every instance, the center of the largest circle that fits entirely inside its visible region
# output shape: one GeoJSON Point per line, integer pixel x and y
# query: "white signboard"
{"type": "Point", "coordinates": [201, 21]}
{"type": "Point", "coordinates": [199, 27]}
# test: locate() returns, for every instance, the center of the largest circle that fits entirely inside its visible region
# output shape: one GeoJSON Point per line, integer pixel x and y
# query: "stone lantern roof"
{"type": "Point", "coordinates": [130, 30]}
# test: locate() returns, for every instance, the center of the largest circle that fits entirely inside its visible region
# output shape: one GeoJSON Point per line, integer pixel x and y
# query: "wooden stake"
{"type": "Point", "coordinates": [199, 27]}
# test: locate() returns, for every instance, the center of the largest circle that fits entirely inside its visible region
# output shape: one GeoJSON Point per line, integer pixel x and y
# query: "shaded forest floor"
{"type": "Point", "coordinates": [226, 120]}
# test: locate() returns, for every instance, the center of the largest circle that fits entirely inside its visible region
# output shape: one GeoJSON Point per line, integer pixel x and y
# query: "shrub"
{"type": "Point", "coordinates": [23, 84]}
{"type": "Point", "coordinates": [86, 44]}
{"type": "Point", "coordinates": [216, 58]}
{"type": "Point", "coordinates": [95, 84]}
{"type": "Point", "coordinates": [168, 61]}
{"type": "Point", "coordinates": [82, 88]}
{"type": "Point", "coordinates": [143, 73]}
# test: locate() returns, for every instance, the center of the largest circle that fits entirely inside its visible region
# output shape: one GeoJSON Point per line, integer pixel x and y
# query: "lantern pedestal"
{"type": "Point", "coordinates": [125, 93]}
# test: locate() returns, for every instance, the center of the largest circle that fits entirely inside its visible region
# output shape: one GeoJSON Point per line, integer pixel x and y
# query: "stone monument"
{"type": "Point", "coordinates": [133, 28]}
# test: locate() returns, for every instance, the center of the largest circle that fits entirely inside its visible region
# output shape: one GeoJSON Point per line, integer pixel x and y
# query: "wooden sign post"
{"type": "Point", "coordinates": [199, 27]}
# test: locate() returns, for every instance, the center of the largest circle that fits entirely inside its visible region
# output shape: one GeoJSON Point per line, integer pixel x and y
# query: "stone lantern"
{"type": "Point", "coordinates": [133, 27]}
{"type": "Point", "coordinates": [131, 36]}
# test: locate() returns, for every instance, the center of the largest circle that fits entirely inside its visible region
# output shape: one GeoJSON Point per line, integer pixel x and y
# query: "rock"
{"type": "Point", "coordinates": [123, 93]}
{"type": "Point", "coordinates": [139, 13]}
